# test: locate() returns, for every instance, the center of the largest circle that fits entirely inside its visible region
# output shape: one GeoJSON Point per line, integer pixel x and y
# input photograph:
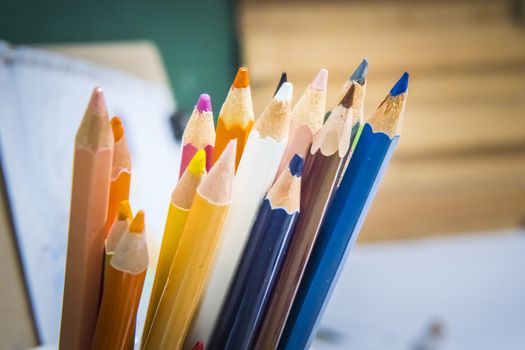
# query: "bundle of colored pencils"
{"type": "Point", "coordinates": [258, 228]}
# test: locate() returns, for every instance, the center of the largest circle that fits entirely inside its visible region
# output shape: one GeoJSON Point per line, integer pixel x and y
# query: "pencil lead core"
{"type": "Point", "coordinates": [401, 86]}
{"type": "Point", "coordinates": [296, 165]}
{"type": "Point", "coordinates": [117, 127]}
{"type": "Point", "coordinates": [320, 81]}
{"type": "Point", "coordinates": [97, 102]}
{"type": "Point", "coordinates": [199, 346]}
{"type": "Point", "coordinates": [360, 72]}
{"type": "Point", "coordinates": [197, 164]}
{"type": "Point", "coordinates": [348, 98]}
{"type": "Point", "coordinates": [124, 211]}
{"type": "Point", "coordinates": [204, 103]}
{"type": "Point", "coordinates": [242, 79]}
{"type": "Point", "coordinates": [137, 225]}
{"type": "Point", "coordinates": [285, 92]}
{"type": "Point", "coordinates": [282, 80]}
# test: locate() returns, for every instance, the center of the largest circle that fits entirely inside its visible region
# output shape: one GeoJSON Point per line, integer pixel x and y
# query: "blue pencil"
{"type": "Point", "coordinates": [248, 295]}
{"type": "Point", "coordinates": [345, 217]}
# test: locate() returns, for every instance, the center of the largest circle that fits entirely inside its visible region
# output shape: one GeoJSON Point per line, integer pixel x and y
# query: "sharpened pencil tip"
{"type": "Point", "coordinates": [321, 80]}
{"type": "Point", "coordinates": [285, 92]}
{"type": "Point", "coordinates": [401, 86]}
{"type": "Point", "coordinates": [124, 211]}
{"type": "Point", "coordinates": [242, 79]}
{"type": "Point", "coordinates": [97, 102]}
{"type": "Point", "coordinates": [296, 165]}
{"type": "Point", "coordinates": [348, 99]}
{"type": "Point", "coordinates": [199, 346]}
{"type": "Point", "coordinates": [284, 79]}
{"type": "Point", "coordinates": [137, 225]}
{"type": "Point", "coordinates": [204, 103]}
{"type": "Point", "coordinates": [197, 164]}
{"type": "Point", "coordinates": [360, 72]}
{"type": "Point", "coordinates": [228, 155]}
{"type": "Point", "coordinates": [118, 128]}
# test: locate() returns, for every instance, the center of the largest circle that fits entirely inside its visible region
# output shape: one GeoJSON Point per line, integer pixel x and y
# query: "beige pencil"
{"type": "Point", "coordinates": [89, 208]}
{"type": "Point", "coordinates": [307, 119]}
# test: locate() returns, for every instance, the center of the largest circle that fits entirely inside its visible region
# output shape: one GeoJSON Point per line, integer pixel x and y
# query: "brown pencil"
{"type": "Point", "coordinates": [89, 208]}
{"type": "Point", "coordinates": [324, 161]}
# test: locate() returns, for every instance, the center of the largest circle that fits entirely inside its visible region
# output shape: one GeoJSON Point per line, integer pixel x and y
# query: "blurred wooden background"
{"type": "Point", "coordinates": [460, 165]}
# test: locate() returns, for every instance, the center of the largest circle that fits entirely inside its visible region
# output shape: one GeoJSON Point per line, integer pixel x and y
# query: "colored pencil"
{"type": "Point", "coordinates": [345, 217]}
{"type": "Point", "coordinates": [325, 159]}
{"type": "Point", "coordinates": [89, 209]}
{"type": "Point", "coordinates": [198, 346]}
{"type": "Point", "coordinates": [199, 134]}
{"type": "Point", "coordinates": [120, 226]}
{"type": "Point", "coordinates": [283, 79]}
{"type": "Point", "coordinates": [262, 155]}
{"type": "Point", "coordinates": [248, 295]}
{"type": "Point", "coordinates": [189, 270]}
{"type": "Point", "coordinates": [181, 201]}
{"type": "Point", "coordinates": [236, 116]}
{"type": "Point", "coordinates": [122, 290]}
{"type": "Point", "coordinates": [307, 119]}
{"type": "Point", "coordinates": [120, 173]}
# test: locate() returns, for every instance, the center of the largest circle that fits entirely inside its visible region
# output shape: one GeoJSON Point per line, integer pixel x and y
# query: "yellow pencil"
{"type": "Point", "coordinates": [122, 290]}
{"type": "Point", "coordinates": [189, 270]}
{"type": "Point", "coordinates": [181, 200]}
{"type": "Point", "coordinates": [118, 229]}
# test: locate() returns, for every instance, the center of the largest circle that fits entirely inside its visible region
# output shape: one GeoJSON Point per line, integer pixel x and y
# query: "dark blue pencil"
{"type": "Point", "coordinates": [345, 217]}
{"type": "Point", "coordinates": [248, 295]}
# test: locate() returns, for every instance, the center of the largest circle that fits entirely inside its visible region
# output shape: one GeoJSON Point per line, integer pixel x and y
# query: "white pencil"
{"type": "Point", "coordinates": [260, 160]}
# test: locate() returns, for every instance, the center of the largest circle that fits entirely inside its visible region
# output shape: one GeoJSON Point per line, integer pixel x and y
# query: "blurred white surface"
{"type": "Point", "coordinates": [390, 293]}
{"type": "Point", "coordinates": [42, 101]}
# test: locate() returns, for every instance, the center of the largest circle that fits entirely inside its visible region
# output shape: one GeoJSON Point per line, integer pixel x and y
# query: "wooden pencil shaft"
{"type": "Point", "coordinates": [256, 172]}
{"type": "Point", "coordinates": [173, 229]}
{"type": "Point", "coordinates": [253, 281]}
{"type": "Point", "coordinates": [89, 208]}
{"type": "Point", "coordinates": [187, 275]}
{"type": "Point", "coordinates": [319, 178]}
{"type": "Point", "coordinates": [338, 233]}
{"type": "Point", "coordinates": [118, 310]}
{"type": "Point", "coordinates": [118, 192]}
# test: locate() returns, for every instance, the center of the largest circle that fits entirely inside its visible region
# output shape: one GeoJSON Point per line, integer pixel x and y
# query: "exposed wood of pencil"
{"type": "Point", "coordinates": [189, 270]}
{"type": "Point", "coordinates": [307, 119]}
{"type": "Point", "coordinates": [89, 209]}
{"type": "Point", "coordinates": [119, 228]}
{"type": "Point", "coordinates": [181, 201]}
{"type": "Point", "coordinates": [262, 155]}
{"type": "Point", "coordinates": [329, 148]}
{"type": "Point", "coordinates": [236, 116]}
{"type": "Point", "coordinates": [120, 173]}
{"type": "Point", "coordinates": [122, 290]}
{"type": "Point", "coordinates": [241, 313]}
{"type": "Point", "coordinates": [199, 134]}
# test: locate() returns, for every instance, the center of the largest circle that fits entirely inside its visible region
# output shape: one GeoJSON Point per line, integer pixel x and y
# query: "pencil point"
{"type": "Point", "coordinates": [204, 103]}
{"type": "Point", "coordinates": [97, 102]}
{"type": "Point", "coordinates": [348, 98]}
{"type": "Point", "coordinates": [296, 165]}
{"type": "Point", "coordinates": [360, 72]}
{"type": "Point", "coordinates": [285, 92]}
{"type": "Point", "coordinates": [117, 127]}
{"type": "Point", "coordinates": [199, 346]}
{"type": "Point", "coordinates": [242, 79]}
{"type": "Point", "coordinates": [284, 79]}
{"type": "Point", "coordinates": [320, 81]}
{"type": "Point", "coordinates": [197, 164]}
{"type": "Point", "coordinates": [228, 155]}
{"type": "Point", "coordinates": [124, 211]}
{"type": "Point", "coordinates": [401, 86]}
{"type": "Point", "coordinates": [137, 225]}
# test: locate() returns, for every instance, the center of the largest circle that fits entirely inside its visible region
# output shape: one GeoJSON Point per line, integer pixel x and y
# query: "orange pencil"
{"type": "Point", "coordinates": [122, 290]}
{"type": "Point", "coordinates": [120, 173]}
{"type": "Point", "coordinates": [89, 209]}
{"type": "Point", "coordinates": [236, 116]}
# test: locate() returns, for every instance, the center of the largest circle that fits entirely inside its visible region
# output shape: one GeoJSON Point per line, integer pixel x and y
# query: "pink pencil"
{"type": "Point", "coordinates": [199, 133]}
{"type": "Point", "coordinates": [307, 119]}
